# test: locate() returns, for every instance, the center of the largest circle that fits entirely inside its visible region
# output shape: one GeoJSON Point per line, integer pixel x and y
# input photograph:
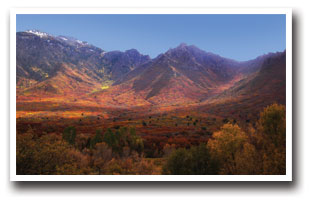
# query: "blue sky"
{"type": "Point", "coordinates": [239, 37]}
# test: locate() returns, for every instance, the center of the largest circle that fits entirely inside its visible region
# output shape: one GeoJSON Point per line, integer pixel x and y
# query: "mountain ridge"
{"type": "Point", "coordinates": [180, 76]}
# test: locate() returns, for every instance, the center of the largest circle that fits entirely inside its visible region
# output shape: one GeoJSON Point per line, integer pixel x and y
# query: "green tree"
{"type": "Point", "coordinates": [135, 142]}
{"type": "Point", "coordinates": [69, 135]}
{"type": "Point", "coordinates": [272, 138]}
{"type": "Point", "coordinates": [177, 163]}
{"type": "Point", "coordinates": [110, 138]}
{"type": "Point", "coordinates": [96, 139]}
{"type": "Point", "coordinates": [201, 161]}
{"type": "Point", "coordinates": [195, 161]}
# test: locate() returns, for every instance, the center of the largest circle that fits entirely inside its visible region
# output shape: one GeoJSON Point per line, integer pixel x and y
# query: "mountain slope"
{"type": "Point", "coordinates": [269, 79]}
{"type": "Point", "coordinates": [251, 94]}
{"type": "Point", "coordinates": [49, 66]}
{"type": "Point", "coordinates": [68, 81]}
{"type": "Point", "coordinates": [185, 71]}
{"type": "Point", "coordinates": [120, 63]}
{"type": "Point", "coordinates": [39, 55]}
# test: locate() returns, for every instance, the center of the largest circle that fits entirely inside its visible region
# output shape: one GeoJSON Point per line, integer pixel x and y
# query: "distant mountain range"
{"type": "Point", "coordinates": [51, 66]}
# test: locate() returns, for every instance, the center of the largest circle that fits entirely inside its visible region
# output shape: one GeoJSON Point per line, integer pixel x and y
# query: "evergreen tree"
{"type": "Point", "coordinates": [69, 135]}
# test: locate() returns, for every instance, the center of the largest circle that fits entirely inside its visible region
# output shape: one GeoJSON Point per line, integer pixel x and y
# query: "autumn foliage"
{"type": "Point", "coordinates": [232, 150]}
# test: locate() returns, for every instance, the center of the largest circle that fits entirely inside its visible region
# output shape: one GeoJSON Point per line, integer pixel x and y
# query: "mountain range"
{"type": "Point", "coordinates": [185, 76]}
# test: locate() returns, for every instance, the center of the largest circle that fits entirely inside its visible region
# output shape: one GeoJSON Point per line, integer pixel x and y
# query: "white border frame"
{"type": "Point", "coordinates": [14, 177]}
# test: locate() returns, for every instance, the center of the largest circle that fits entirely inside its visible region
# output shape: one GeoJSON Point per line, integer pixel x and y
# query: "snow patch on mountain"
{"type": "Point", "coordinates": [63, 38]}
{"type": "Point", "coordinates": [38, 33]}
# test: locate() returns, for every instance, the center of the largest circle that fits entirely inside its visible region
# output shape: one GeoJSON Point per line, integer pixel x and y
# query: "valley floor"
{"type": "Point", "coordinates": [142, 138]}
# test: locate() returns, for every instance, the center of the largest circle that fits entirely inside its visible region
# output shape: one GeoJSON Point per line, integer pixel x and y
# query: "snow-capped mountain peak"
{"type": "Point", "coordinates": [38, 33]}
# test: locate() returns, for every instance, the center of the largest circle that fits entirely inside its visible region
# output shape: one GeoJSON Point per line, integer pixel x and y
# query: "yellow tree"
{"type": "Point", "coordinates": [227, 146]}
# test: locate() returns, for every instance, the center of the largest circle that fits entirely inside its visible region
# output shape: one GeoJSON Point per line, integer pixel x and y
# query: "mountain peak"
{"type": "Point", "coordinates": [185, 47]}
{"type": "Point", "coordinates": [37, 32]}
{"type": "Point", "coordinates": [132, 51]}
{"type": "Point", "coordinates": [182, 45]}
